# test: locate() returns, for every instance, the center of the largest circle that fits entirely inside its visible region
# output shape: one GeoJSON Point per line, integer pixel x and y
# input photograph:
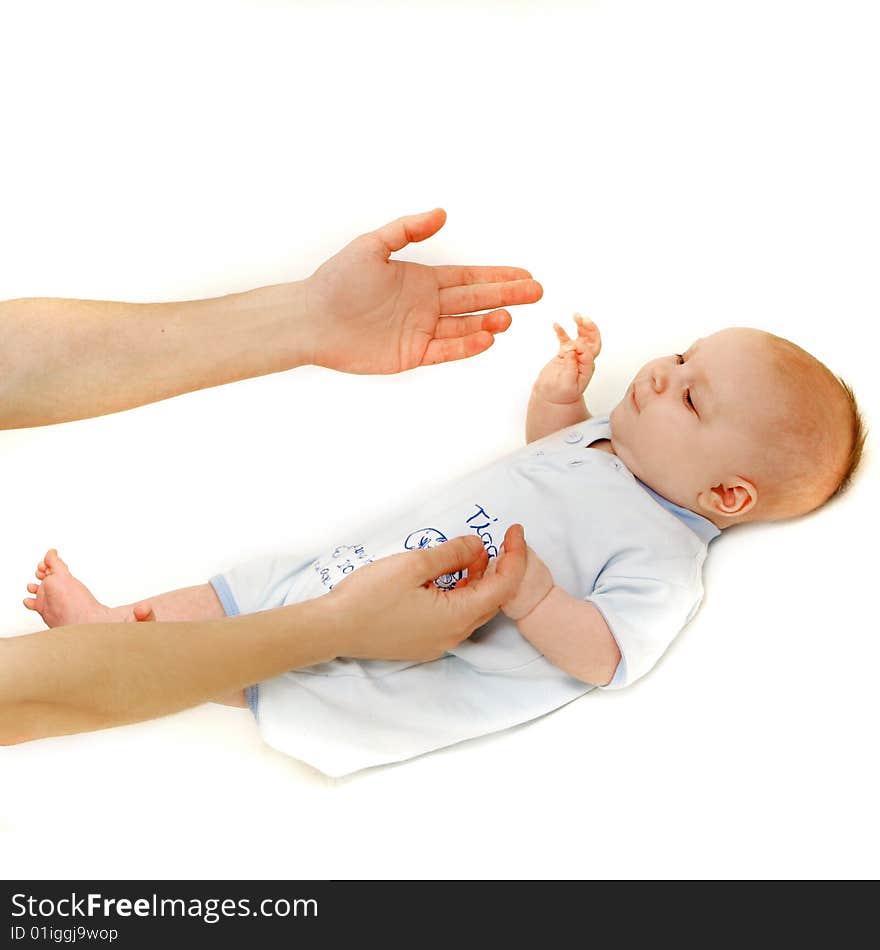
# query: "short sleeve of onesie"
{"type": "Point", "coordinates": [651, 587]}
{"type": "Point", "coordinates": [644, 614]}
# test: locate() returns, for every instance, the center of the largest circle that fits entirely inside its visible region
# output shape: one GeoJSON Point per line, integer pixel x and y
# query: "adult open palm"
{"type": "Point", "coordinates": [386, 316]}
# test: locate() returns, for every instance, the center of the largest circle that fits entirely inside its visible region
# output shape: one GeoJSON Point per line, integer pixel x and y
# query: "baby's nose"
{"type": "Point", "coordinates": [659, 380]}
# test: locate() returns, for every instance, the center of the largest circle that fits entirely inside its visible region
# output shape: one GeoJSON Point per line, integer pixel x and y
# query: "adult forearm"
{"type": "Point", "coordinates": [545, 417]}
{"type": "Point", "coordinates": [79, 678]}
{"type": "Point", "coordinates": [71, 359]}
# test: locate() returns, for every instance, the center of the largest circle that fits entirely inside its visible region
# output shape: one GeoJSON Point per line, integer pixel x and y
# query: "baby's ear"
{"type": "Point", "coordinates": [731, 498]}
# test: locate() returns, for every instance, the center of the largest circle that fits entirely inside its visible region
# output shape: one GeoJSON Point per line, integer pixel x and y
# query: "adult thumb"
{"type": "Point", "coordinates": [413, 227]}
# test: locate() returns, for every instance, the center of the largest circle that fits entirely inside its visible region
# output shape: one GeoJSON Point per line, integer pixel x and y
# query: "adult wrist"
{"type": "Point", "coordinates": [334, 618]}
{"type": "Point", "coordinates": [283, 317]}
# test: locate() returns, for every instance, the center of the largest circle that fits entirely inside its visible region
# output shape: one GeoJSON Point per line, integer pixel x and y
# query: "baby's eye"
{"type": "Point", "coordinates": [687, 393]}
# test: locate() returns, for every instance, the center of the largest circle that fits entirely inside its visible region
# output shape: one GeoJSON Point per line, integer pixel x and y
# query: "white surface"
{"type": "Point", "coordinates": [669, 169]}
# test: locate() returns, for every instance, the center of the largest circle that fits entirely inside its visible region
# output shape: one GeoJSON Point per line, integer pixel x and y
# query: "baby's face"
{"type": "Point", "coordinates": [691, 425]}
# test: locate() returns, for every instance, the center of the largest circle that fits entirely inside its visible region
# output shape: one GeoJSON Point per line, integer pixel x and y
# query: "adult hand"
{"type": "Point", "coordinates": [376, 315]}
{"type": "Point", "coordinates": [359, 313]}
{"type": "Point", "coordinates": [391, 608]}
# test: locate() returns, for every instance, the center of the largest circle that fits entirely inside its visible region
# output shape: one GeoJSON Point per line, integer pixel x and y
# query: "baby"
{"type": "Point", "coordinates": [619, 512]}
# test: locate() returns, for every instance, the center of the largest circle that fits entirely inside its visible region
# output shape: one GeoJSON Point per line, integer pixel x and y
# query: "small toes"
{"type": "Point", "coordinates": [33, 588]}
{"type": "Point", "coordinates": [40, 574]}
{"type": "Point", "coordinates": [30, 603]}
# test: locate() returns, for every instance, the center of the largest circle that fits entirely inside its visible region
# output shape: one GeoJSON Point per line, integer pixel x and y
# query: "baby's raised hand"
{"type": "Point", "coordinates": [564, 379]}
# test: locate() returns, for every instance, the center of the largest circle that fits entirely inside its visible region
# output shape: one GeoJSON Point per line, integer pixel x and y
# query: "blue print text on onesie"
{"type": "Point", "coordinates": [479, 521]}
{"type": "Point", "coordinates": [344, 559]}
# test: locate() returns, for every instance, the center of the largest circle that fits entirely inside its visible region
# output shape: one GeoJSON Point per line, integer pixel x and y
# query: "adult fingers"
{"type": "Point", "coordinates": [480, 601]}
{"type": "Point", "coordinates": [449, 327]}
{"type": "Point", "coordinates": [474, 297]}
{"type": "Point", "coordinates": [457, 554]}
{"type": "Point", "coordinates": [453, 275]}
{"type": "Point", "coordinates": [445, 351]}
{"type": "Point", "coordinates": [485, 596]}
{"type": "Point", "coordinates": [476, 570]}
{"type": "Point", "coordinates": [413, 227]}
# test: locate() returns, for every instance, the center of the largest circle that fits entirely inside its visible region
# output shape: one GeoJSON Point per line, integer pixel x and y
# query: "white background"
{"type": "Point", "coordinates": [669, 169]}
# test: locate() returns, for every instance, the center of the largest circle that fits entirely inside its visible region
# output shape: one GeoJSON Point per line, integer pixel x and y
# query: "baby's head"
{"type": "Point", "coordinates": [744, 426]}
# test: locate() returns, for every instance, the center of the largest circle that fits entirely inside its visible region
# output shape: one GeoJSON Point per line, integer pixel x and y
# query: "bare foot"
{"type": "Point", "coordinates": [62, 599]}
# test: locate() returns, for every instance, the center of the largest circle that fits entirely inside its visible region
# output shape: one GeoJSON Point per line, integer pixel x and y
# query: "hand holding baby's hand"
{"type": "Point", "coordinates": [564, 379]}
{"type": "Point", "coordinates": [536, 583]}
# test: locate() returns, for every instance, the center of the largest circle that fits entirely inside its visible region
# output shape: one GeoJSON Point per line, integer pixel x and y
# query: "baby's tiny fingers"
{"type": "Point", "coordinates": [589, 333]}
{"type": "Point", "coordinates": [30, 603]}
{"type": "Point", "coordinates": [584, 324]}
{"type": "Point", "coordinates": [33, 588]}
{"type": "Point", "coordinates": [562, 336]}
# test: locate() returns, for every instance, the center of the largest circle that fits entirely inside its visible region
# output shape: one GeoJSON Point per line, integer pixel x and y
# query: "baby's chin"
{"type": "Point", "coordinates": [617, 414]}
{"type": "Point", "coordinates": [619, 421]}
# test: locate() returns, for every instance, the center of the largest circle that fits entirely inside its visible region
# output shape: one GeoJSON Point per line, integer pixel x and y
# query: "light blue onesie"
{"type": "Point", "coordinates": [604, 535]}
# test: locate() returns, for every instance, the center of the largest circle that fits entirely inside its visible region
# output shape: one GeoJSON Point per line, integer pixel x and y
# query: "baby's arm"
{"type": "Point", "coordinates": [571, 633]}
{"type": "Point", "coordinates": [557, 398]}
